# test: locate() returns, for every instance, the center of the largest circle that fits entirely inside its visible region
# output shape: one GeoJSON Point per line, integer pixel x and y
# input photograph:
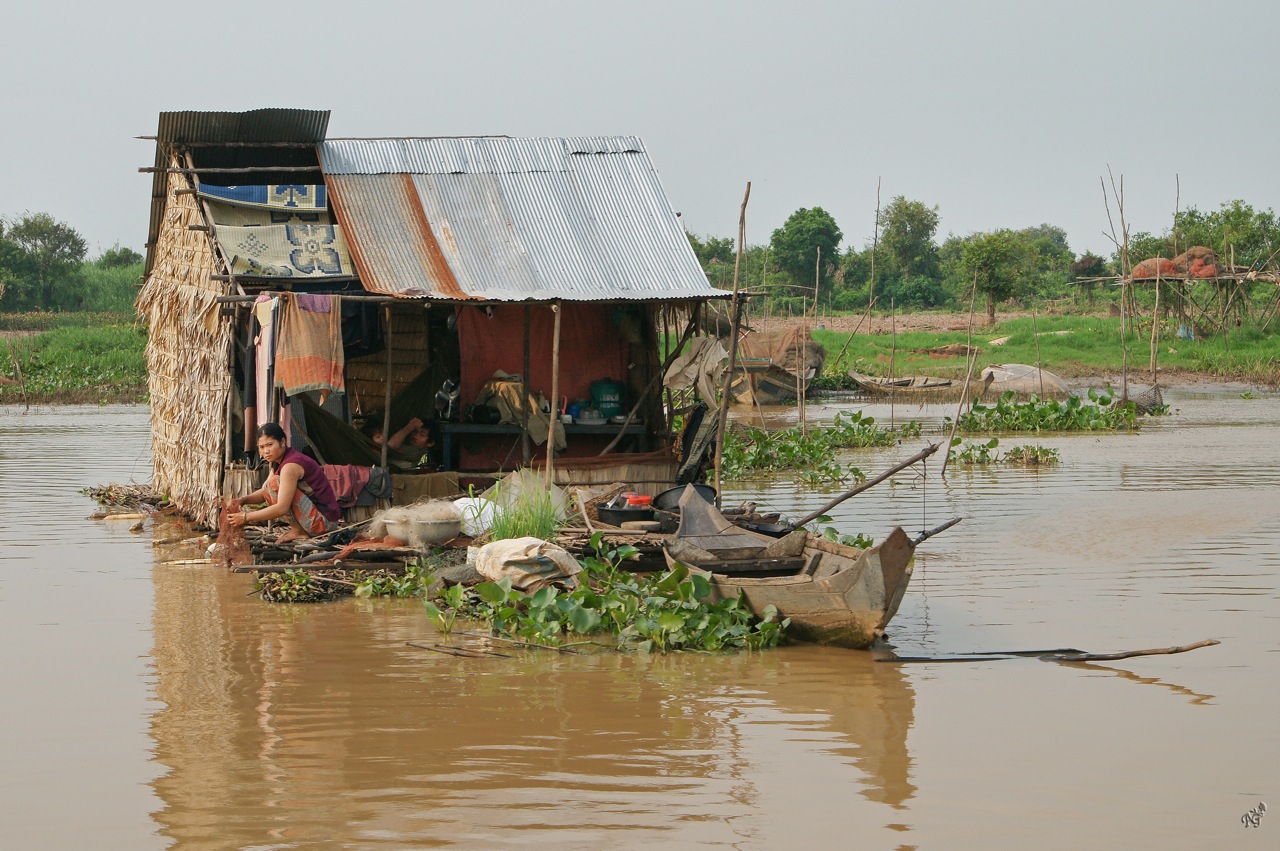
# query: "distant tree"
{"type": "Point", "coordinates": [56, 251]}
{"type": "Point", "coordinates": [794, 248]}
{"type": "Point", "coordinates": [1089, 265]}
{"type": "Point", "coordinates": [17, 277]}
{"type": "Point", "coordinates": [907, 229]}
{"type": "Point", "coordinates": [117, 256]}
{"type": "Point", "coordinates": [993, 262]}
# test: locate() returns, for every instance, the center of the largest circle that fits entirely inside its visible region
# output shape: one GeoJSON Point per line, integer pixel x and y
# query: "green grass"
{"type": "Point", "coordinates": [79, 358]}
{"type": "Point", "coordinates": [1092, 347]}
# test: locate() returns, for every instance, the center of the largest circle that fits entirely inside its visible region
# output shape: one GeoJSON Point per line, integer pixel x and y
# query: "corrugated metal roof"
{"type": "Point", "coordinates": [257, 125]}
{"type": "Point", "coordinates": [510, 219]}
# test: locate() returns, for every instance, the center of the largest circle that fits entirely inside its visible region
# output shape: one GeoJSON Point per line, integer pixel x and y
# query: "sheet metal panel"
{"type": "Point", "coordinates": [488, 218]}
{"type": "Point", "coordinates": [391, 245]}
{"type": "Point", "coordinates": [472, 155]}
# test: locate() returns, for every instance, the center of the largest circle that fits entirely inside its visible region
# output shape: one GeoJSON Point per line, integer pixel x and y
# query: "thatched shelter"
{"type": "Point", "coordinates": [320, 282]}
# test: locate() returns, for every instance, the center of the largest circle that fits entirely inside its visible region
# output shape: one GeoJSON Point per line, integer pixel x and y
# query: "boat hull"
{"type": "Point", "coordinates": [920, 388]}
{"type": "Point", "coordinates": [845, 598]}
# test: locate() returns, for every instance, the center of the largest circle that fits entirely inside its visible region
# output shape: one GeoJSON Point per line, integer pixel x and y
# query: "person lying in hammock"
{"type": "Point", "coordinates": [283, 493]}
{"type": "Point", "coordinates": [411, 443]}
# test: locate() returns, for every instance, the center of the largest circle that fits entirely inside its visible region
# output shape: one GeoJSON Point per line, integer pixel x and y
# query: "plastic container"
{"type": "Point", "coordinates": [606, 397]}
{"type": "Point", "coordinates": [618, 516]}
{"type": "Point", "coordinates": [639, 500]}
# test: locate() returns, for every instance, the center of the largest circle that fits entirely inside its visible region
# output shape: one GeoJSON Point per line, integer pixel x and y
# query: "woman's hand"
{"type": "Point", "coordinates": [238, 518]}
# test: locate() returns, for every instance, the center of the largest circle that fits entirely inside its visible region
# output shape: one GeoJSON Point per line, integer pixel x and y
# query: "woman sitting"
{"type": "Point", "coordinates": [307, 515]}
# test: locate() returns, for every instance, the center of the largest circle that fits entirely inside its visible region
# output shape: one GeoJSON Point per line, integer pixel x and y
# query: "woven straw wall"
{"type": "Point", "coordinates": [407, 342]}
{"type": "Point", "coordinates": [187, 352]}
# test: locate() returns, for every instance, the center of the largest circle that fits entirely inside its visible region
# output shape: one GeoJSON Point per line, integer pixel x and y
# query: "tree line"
{"type": "Point", "coordinates": [905, 265]}
{"type": "Point", "coordinates": [44, 265]}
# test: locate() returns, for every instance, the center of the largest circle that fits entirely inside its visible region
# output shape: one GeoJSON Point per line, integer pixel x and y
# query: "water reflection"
{"type": "Point", "coordinates": [1193, 697]}
{"type": "Point", "coordinates": [321, 722]}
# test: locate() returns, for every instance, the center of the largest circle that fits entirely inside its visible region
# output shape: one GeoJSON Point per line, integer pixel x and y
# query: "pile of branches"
{"type": "Point", "coordinates": [132, 496]}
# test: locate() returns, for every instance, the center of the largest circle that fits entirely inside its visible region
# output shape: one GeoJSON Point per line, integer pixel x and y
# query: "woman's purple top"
{"type": "Point", "coordinates": [321, 491]}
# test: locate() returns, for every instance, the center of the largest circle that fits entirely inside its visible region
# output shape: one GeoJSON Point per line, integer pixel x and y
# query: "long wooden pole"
{"type": "Point", "coordinates": [555, 393]}
{"type": "Point", "coordinates": [733, 343]}
{"type": "Point", "coordinates": [971, 359]}
{"type": "Point", "coordinates": [386, 393]}
{"type": "Point", "coordinates": [867, 485]}
{"type": "Point", "coordinates": [526, 450]}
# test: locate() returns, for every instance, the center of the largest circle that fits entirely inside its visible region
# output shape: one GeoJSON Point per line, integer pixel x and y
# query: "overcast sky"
{"type": "Point", "coordinates": [1003, 114]}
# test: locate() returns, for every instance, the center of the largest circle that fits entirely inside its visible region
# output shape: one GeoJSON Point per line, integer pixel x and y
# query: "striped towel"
{"type": "Point", "coordinates": [309, 353]}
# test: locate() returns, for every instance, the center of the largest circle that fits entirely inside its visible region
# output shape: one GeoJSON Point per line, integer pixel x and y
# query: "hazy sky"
{"type": "Point", "coordinates": [1003, 114]}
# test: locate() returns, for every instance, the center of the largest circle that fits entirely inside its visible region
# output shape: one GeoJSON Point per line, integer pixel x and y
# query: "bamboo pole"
{"type": "Point", "coordinates": [386, 392]}
{"type": "Point", "coordinates": [971, 359]}
{"type": "Point", "coordinates": [733, 344]}
{"type": "Point", "coordinates": [555, 390]}
{"type": "Point", "coordinates": [893, 356]}
{"type": "Point", "coordinates": [875, 244]}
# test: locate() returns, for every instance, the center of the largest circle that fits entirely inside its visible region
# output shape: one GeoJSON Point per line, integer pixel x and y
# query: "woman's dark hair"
{"type": "Point", "coordinates": [372, 425]}
{"type": "Point", "coordinates": [273, 431]}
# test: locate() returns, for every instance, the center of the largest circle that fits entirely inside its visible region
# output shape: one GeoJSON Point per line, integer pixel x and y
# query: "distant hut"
{"type": "Point", "coordinates": [377, 270]}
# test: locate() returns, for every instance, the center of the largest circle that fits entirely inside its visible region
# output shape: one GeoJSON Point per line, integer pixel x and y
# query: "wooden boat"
{"type": "Point", "coordinates": [761, 381]}
{"type": "Point", "coordinates": [833, 594]}
{"type": "Point", "coordinates": [920, 388]}
{"type": "Point", "coordinates": [773, 367]}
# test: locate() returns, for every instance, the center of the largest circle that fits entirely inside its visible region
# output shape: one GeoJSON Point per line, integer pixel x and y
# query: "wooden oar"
{"type": "Point", "coordinates": [919, 456]}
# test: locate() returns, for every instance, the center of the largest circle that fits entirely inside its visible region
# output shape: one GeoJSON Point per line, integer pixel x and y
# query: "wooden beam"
{"type": "Point", "coordinates": [253, 169]}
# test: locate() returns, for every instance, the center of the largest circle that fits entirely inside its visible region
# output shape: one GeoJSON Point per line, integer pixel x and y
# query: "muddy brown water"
{"type": "Point", "coordinates": [153, 705]}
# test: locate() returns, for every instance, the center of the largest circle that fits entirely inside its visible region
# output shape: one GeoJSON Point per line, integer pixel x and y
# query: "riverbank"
{"type": "Point", "coordinates": [1074, 347]}
{"type": "Point", "coordinates": [99, 358]}
{"type": "Point", "coordinates": [72, 358]}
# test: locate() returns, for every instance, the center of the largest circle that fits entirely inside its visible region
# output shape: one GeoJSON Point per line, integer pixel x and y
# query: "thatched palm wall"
{"type": "Point", "coordinates": [187, 353]}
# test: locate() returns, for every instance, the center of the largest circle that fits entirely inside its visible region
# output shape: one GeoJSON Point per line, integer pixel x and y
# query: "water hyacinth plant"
{"type": "Point", "coordinates": [1075, 414]}
{"type": "Point", "coordinates": [663, 613]}
{"type": "Point", "coordinates": [974, 454]}
{"type": "Point", "coordinates": [810, 453]}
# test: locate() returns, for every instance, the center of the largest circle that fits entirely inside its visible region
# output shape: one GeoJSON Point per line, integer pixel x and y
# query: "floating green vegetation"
{"type": "Point", "coordinates": [809, 453]}
{"type": "Point", "coordinates": [1031, 456]}
{"type": "Point", "coordinates": [661, 613]}
{"type": "Point", "coordinates": [975, 454]}
{"type": "Point", "coordinates": [1248, 394]}
{"type": "Point", "coordinates": [293, 586]}
{"type": "Point", "coordinates": [412, 583]}
{"type": "Point", "coordinates": [1075, 414]}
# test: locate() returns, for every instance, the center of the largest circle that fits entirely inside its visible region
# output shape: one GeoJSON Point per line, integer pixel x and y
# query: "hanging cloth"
{"type": "Point", "coordinates": [309, 354]}
{"type": "Point", "coordinates": [264, 358]}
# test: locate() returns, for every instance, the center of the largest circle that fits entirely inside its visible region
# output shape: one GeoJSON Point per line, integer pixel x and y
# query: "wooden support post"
{"type": "Point", "coordinates": [386, 393]}
{"type": "Point", "coordinates": [733, 343]}
{"type": "Point", "coordinates": [555, 390]}
{"type": "Point", "coordinates": [526, 449]}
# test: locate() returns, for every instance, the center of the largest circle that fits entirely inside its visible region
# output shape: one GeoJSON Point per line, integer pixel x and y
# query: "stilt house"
{"type": "Point", "coordinates": [395, 278]}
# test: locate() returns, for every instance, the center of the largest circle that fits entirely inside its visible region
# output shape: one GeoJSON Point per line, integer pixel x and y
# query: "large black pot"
{"type": "Point", "coordinates": [618, 516]}
{"type": "Point", "coordinates": [669, 499]}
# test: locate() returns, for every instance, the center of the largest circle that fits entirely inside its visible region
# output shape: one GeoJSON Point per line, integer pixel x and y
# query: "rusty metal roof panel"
{"type": "Point", "coordinates": [511, 219]}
